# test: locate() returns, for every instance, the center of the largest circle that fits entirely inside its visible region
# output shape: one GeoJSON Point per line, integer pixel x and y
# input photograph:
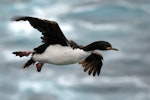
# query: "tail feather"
{"type": "Point", "coordinates": [22, 53]}
{"type": "Point", "coordinates": [28, 63]}
{"type": "Point", "coordinates": [20, 18]}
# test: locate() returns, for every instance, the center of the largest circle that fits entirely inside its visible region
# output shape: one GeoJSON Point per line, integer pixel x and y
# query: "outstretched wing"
{"type": "Point", "coordinates": [50, 29]}
{"type": "Point", "coordinates": [93, 63]}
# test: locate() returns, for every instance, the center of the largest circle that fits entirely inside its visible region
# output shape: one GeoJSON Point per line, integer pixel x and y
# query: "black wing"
{"type": "Point", "coordinates": [93, 63]}
{"type": "Point", "coordinates": [50, 29]}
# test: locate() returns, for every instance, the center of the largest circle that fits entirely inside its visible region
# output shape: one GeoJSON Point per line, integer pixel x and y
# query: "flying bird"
{"type": "Point", "coordinates": [57, 49]}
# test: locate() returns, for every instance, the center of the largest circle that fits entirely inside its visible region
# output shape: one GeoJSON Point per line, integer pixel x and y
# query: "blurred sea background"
{"type": "Point", "coordinates": [125, 74]}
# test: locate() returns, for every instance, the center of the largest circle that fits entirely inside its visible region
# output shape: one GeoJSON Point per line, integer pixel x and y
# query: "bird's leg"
{"type": "Point", "coordinates": [23, 53]}
{"type": "Point", "coordinates": [39, 66]}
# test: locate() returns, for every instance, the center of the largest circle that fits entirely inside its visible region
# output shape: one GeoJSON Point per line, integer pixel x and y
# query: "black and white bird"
{"type": "Point", "coordinates": [57, 49]}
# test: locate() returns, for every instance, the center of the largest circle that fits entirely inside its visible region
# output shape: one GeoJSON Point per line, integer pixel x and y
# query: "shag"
{"type": "Point", "coordinates": [57, 49]}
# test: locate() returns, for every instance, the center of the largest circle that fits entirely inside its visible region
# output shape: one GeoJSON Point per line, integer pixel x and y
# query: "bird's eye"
{"type": "Point", "coordinates": [107, 46]}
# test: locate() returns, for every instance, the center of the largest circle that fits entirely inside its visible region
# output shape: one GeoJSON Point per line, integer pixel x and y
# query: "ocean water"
{"type": "Point", "coordinates": [125, 74]}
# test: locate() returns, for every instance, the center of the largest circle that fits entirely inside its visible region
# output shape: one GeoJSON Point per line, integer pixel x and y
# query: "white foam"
{"type": "Point", "coordinates": [104, 81]}
{"type": "Point", "coordinates": [67, 81]}
{"type": "Point", "coordinates": [53, 10]}
{"type": "Point", "coordinates": [21, 29]}
{"type": "Point", "coordinates": [83, 9]}
{"type": "Point", "coordinates": [101, 27]}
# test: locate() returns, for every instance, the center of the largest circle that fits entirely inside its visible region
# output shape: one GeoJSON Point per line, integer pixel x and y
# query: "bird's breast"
{"type": "Point", "coordinates": [61, 55]}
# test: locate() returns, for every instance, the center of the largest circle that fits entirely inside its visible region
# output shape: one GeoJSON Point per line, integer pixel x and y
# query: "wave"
{"type": "Point", "coordinates": [103, 81]}
{"type": "Point", "coordinates": [101, 27]}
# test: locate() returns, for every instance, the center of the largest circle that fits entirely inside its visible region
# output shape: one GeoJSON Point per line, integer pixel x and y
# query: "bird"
{"type": "Point", "coordinates": [58, 50]}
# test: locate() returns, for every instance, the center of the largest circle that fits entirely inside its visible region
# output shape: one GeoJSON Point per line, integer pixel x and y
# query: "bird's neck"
{"type": "Point", "coordinates": [91, 47]}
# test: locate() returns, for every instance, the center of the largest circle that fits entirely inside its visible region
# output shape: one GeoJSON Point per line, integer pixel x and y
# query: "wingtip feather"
{"type": "Point", "coordinates": [18, 18]}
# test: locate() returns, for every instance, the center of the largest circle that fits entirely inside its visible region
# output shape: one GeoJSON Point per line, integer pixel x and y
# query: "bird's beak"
{"type": "Point", "coordinates": [110, 48]}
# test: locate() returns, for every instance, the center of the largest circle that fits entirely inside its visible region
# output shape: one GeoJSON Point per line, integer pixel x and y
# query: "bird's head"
{"type": "Point", "coordinates": [99, 45]}
{"type": "Point", "coordinates": [103, 45]}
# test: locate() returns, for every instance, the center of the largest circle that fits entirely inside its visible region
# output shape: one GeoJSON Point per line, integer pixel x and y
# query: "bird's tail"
{"type": "Point", "coordinates": [24, 18]}
{"type": "Point", "coordinates": [28, 63]}
{"type": "Point", "coordinates": [22, 53]}
{"type": "Point", "coordinates": [25, 53]}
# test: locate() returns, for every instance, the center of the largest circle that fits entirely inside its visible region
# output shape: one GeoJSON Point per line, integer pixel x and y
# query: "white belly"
{"type": "Point", "coordinates": [61, 55]}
